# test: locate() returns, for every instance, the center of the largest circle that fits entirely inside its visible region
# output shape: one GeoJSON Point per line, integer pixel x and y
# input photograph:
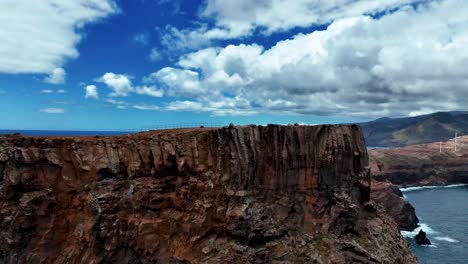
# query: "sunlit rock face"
{"type": "Point", "coordinates": [252, 194]}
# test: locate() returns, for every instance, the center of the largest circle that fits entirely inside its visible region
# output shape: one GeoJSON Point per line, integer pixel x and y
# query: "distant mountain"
{"type": "Point", "coordinates": [397, 132]}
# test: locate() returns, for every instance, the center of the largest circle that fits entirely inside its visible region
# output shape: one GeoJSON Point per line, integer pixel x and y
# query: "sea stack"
{"type": "Point", "coordinates": [251, 194]}
{"type": "Point", "coordinates": [421, 238]}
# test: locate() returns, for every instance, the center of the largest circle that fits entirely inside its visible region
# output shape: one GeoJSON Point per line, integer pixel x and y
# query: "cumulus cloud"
{"type": "Point", "coordinates": [91, 92]}
{"type": "Point", "coordinates": [39, 36]}
{"type": "Point", "coordinates": [241, 18]}
{"type": "Point", "coordinates": [149, 90]}
{"type": "Point", "coordinates": [178, 81]}
{"type": "Point", "coordinates": [53, 110]}
{"type": "Point", "coordinates": [57, 76]}
{"type": "Point", "coordinates": [121, 85]}
{"type": "Point", "coordinates": [401, 63]}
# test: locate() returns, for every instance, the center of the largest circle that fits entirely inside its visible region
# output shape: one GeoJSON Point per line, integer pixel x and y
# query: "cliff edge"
{"type": "Point", "coordinates": [252, 194]}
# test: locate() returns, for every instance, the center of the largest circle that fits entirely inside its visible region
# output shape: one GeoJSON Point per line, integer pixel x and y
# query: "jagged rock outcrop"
{"type": "Point", "coordinates": [425, 164]}
{"type": "Point", "coordinates": [273, 194]}
{"type": "Point", "coordinates": [421, 238]}
{"type": "Point", "coordinates": [391, 198]}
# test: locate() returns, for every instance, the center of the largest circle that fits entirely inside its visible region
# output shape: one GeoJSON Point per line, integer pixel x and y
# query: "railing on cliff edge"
{"type": "Point", "coordinates": [175, 126]}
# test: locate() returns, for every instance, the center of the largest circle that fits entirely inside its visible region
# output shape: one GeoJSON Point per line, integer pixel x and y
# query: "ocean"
{"type": "Point", "coordinates": [443, 214]}
{"type": "Point", "coordinates": [62, 133]}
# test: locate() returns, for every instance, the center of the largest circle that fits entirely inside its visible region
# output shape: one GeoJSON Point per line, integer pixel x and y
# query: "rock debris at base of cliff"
{"type": "Point", "coordinates": [252, 194]}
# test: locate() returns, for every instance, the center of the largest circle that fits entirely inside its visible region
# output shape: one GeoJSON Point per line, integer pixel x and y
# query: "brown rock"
{"type": "Point", "coordinates": [390, 197]}
{"type": "Point", "coordinates": [423, 164]}
{"type": "Point", "coordinates": [249, 194]}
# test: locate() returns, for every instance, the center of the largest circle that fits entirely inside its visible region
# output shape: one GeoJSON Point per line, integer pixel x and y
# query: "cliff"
{"type": "Point", "coordinates": [424, 164]}
{"type": "Point", "coordinates": [230, 195]}
{"type": "Point", "coordinates": [391, 199]}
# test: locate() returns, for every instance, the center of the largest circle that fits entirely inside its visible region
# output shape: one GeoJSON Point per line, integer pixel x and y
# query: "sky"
{"type": "Point", "coordinates": [135, 64]}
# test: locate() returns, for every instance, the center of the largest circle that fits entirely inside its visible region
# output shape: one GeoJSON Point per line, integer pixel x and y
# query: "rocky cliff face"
{"type": "Point", "coordinates": [425, 164]}
{"type": "Point", "coordinates": [391, 198]}
{"type": "Point", "coordinates": [231, 195]}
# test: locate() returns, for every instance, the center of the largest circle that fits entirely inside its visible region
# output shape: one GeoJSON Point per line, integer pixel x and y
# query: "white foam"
{"type": "Point", "coordinates": [431, 246]}
{"type": "Point", "coordinates": [424, 227]}
{"type": "Point", "coordinates": [410, 189]}
{"type": "Point", "coordinates": [447, 239]}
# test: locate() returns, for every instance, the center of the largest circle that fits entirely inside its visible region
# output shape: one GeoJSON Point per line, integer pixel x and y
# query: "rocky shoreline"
{"type": "Point", "coordinates": [424, 166]}
{"type": "Point", "coordinates": [391, 198]}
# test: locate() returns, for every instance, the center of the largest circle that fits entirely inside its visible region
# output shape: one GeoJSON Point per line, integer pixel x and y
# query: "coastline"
{"type": "Point", "coordinates": [424, 226]}
{"type": "Point", "coordinates": [425, 187]}
{"type": "Point", "coordinates": [442, 212]}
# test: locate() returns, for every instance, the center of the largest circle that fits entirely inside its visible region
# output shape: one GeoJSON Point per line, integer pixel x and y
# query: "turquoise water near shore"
{"type": "Point", "coordinates": [443, 214]}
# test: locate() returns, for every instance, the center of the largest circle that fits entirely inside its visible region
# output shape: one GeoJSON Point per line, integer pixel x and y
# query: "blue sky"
{"type": "Point", "coordinates": [118, 65]}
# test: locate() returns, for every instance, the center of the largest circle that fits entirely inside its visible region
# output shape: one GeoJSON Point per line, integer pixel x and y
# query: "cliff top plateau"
{"type": "Point", "coordinates": [252, 194]}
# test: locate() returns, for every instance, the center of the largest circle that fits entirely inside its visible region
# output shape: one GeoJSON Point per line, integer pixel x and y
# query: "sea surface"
{"type": "Point", "coordinates": [62, 133]}
{"type": "Point", "coordinates": [443, 215]}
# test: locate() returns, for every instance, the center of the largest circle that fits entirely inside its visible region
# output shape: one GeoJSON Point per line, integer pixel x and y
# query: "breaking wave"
{"type": "Point", "coordinates": [447, 239]}
{"type": "Point", "coordinates": [424, 227]}
{"type": "Point", "coordinates": [410, 189]}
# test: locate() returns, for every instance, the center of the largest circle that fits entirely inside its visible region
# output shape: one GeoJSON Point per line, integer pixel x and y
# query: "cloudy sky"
{"type": "Point", "coordinates": [129, 64]}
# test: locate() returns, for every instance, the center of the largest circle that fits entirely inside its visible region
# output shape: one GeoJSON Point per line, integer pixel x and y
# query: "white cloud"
{"type": "Point", "coordinates": [49, 91]}
{"type": "Point", "coordinates": [404, 62]}
{"type": "Point", "coordinates": [185, 106]}
{"type": "Point", "coordinates": [422, 111]}
{"type": "Point", "coordinates": [146, 107]}
{"type": "Point", "coordinates": [53, 110]}
{"type": "Point", "coordinates": [241, 18]}
{"type": "Point", "coordinates": [91, 92]}
{"type": "Point", "coordinates": [40, 36]}
{"type": "Point", "coordinates": [178, 82]}
{"type": "Point", "coordinates": [119, 83]}
{"type": "Point", "coordinates": [149, 90]}
{"type": "Point", "coordinates": [155, 55]}
{"type": "Point", "coordinates": [46, 91]}
{"type": "Point", "coordinates": [119, 104]}
{"type": "Point", "coordinates": [57, 76]}
{"type": "Point", "coordinates": [125, 105]}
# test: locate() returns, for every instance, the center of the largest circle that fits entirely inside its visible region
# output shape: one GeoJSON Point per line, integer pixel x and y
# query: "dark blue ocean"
{"type": "Point", "coordinates": [443, 214]}
{"type": "Point", "coordinates": [62, 133]}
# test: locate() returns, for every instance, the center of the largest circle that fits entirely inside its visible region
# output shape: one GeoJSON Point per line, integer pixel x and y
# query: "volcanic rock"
{"type": "Point", "coordinates": [252, 194]}
{"type": "Point", "coordinates": [390, 197]}
{"type": "Point", "coordinates": [421, 238]}
{"type": "Point", "coordinates": [425, 164]}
